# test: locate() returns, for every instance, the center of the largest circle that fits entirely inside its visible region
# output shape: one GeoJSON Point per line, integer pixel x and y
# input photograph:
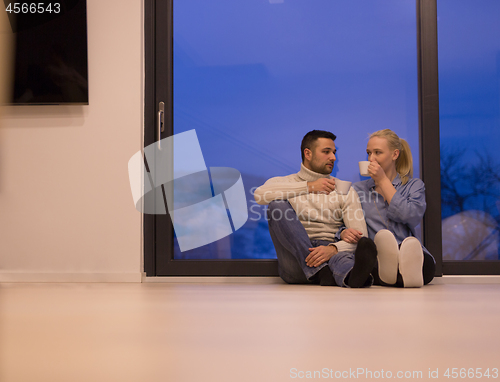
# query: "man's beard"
{"type": "Point", "coordinates": [325, 170]}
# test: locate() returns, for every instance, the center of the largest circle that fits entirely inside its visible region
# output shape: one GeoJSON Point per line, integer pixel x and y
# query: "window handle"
{"type": "Point", "coordinates": [161, 120]}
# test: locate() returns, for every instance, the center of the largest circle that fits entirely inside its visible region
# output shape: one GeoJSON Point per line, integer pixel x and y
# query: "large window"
{"type": "Point", "coordinates": [252, 77]}
{"type": "Point", "coordinates": [469, 98]}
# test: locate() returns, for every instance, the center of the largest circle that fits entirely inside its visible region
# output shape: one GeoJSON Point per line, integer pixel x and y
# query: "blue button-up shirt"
{"type": "Point", "coordinates": [401, 216]}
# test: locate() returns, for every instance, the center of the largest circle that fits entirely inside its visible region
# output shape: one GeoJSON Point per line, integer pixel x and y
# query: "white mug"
{"type": "Point", "coordinates": [342, 186]}
{"type": "Point", "coordinates": [363, 168]}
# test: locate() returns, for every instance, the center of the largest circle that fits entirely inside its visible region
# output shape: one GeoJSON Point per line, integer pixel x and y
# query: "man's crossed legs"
{"type": "Point", "coordinates": [292, 247]}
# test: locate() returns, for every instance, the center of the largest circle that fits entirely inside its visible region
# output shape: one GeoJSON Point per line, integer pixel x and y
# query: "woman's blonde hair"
{"type": "Point", "coordinates": [404, 163]}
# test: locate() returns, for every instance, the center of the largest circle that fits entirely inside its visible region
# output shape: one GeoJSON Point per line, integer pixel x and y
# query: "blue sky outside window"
{"type": "Point", "coordinates": [252, 77]}
{"type": "Point", "coordinates": [469, 103]}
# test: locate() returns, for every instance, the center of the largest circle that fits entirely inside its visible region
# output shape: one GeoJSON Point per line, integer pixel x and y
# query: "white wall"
{"type": "Point", "coordinates": [66, 210]}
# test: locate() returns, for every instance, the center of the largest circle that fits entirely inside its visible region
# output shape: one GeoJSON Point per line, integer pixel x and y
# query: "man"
{"type": "Point", "coordinates": [305, 213]}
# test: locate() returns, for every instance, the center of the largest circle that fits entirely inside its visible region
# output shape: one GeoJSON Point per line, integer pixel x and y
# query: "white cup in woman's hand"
{"type": "Point", "coordinates": [363, 168]}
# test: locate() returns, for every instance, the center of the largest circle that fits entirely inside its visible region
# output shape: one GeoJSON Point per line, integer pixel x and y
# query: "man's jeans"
{"type": "Point", "coordinates": [292, 247]}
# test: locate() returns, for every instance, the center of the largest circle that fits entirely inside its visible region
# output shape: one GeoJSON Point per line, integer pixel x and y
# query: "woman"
{"type": "Point", "coordinates": [394, 204]}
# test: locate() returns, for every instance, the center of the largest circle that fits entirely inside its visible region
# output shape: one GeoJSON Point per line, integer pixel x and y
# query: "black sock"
{"type": "Point", "coordinates": [428, 268]}
{"type": "Point", "coordinates": [364, 261]}
{"type": "Point", "coordinates": [325, 277]}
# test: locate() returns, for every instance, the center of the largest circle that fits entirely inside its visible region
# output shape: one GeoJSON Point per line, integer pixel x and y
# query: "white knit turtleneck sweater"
{"type": "Point", "coordinates": [321, 215]}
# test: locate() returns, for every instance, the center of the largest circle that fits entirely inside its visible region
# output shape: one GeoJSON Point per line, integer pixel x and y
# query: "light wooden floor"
{"type": "Point", "coordinates": [243, 332]}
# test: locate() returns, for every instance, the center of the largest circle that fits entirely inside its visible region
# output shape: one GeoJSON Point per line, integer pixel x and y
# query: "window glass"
{"type": "Point", "coordinates": [252, 77]}
{"type": "Point", "coordinates": [469, 103]}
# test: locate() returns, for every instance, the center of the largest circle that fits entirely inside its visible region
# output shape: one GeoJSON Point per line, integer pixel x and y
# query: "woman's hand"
{"type": "Point", "coordinates": [376, 172]}
{"type": "Point", "coordinates": [382, 182]}
{"type": "Point", "coordinates": [351, 235]}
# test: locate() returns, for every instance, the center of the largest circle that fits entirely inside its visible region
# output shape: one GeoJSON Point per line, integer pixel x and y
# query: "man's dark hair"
{"type": "Point", "coordinates": [311, 137]}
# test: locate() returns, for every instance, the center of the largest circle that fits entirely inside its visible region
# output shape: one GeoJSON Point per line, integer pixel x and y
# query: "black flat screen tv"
{"type": "Point", "coordinates": [51, 66]}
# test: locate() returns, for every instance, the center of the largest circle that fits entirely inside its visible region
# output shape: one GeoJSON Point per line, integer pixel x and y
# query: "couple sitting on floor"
{"type": "Point", "coordinates": [364, 237]}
